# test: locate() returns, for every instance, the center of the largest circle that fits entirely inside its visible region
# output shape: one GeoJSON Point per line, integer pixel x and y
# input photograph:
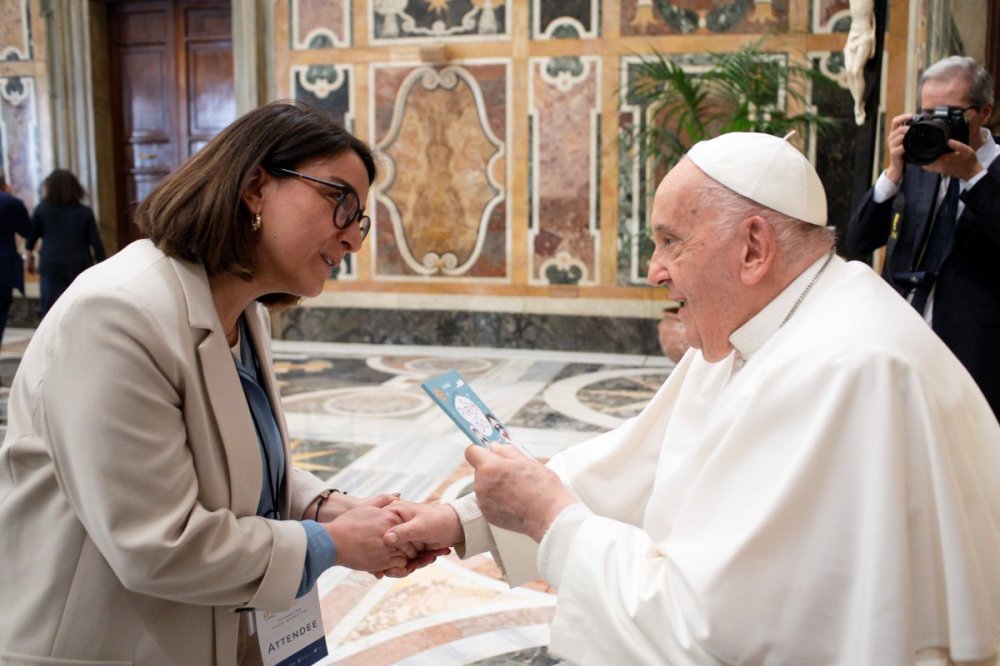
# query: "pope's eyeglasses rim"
{"type": "Point", "coordinates": [364, 222]}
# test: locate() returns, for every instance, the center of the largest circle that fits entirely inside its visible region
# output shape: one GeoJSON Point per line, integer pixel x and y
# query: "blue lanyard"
{"type": "Point", "coordinates": [268, 435]}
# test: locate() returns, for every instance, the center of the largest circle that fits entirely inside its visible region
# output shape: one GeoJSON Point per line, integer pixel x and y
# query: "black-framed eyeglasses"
{"type": "Point", "coordinates": [348, 209]}
{"type": "Point", "coordinates": [951, 109]}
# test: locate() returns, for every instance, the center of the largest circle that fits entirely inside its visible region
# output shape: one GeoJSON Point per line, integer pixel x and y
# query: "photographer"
{"type": "Point", "coordinates": [936, 208]}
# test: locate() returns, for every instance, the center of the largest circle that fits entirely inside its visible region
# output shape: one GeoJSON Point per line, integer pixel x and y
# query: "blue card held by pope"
{"type": "Point", "coordinates": [454, 395]}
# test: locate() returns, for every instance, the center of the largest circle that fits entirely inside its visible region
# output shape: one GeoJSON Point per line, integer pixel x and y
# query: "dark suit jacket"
{"type": "Point", "coordinates": [13, 219]}
{"type": "Point", "coordinates": [70, 241]}
{"type": "Point", "coordinates": [967, 295]}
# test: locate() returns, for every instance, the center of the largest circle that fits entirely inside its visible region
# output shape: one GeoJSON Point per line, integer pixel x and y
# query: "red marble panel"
{"type": "Point", "coordinates": [565, 102]}
{"type": "Point", "coordinates": [320, 23]}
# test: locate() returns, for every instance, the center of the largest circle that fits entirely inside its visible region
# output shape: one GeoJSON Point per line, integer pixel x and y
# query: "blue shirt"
{"type": "Point", "coordinates": [321, 553]}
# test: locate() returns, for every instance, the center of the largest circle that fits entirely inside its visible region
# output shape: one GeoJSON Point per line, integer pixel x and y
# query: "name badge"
{"type": "Point", "coordinates": [294, 637]}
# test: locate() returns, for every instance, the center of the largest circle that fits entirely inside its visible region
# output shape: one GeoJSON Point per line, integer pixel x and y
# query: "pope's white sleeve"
{"type": "Point", "coordinates": [514, 553]}
{"type": "Point", "coordinates": [621, 600]}
{"type": "Point", "coordinates": [478, 538]}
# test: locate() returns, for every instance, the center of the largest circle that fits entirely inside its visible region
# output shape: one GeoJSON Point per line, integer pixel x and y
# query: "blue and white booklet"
{"type": "Point", "coordinates": [454, 395]}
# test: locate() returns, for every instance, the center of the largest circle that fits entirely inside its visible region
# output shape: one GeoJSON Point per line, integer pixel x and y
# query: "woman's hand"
{"type": "Point", "coordinates": [357, 535]}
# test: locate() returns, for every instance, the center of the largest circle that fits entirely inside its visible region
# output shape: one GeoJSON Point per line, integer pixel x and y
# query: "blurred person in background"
{"type": "Point", "coordinates": [70, 241]}
{"type": "Point", "coordinates": [13, 219]}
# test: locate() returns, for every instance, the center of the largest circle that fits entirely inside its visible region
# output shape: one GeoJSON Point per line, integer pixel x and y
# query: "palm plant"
{"type": "Point", "coordinates": [747, 90]}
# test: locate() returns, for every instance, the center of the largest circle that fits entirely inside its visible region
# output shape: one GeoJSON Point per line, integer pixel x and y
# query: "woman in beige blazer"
{"type": "Point", "coordinates": [145, 486]}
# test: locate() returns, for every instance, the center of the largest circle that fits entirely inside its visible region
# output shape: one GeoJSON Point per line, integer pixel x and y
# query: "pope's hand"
{"type": "Point", "coordinates": [433, 527]}
{"type": "Point", "coordinates": [515, 492]}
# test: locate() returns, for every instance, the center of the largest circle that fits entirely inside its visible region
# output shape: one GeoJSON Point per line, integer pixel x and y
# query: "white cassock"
{"type": "Point", "coordinates": [827, 494]}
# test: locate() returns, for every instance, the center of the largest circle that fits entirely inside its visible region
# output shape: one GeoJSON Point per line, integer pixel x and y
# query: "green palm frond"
{"type": "Point", "coordinates": [746, 90]}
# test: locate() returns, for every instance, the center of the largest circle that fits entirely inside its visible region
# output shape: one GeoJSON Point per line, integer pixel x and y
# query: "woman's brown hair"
{"type": "Point", "coordinates": [62, 187]}
{"type": "Point", "coordinates": [197, 212]}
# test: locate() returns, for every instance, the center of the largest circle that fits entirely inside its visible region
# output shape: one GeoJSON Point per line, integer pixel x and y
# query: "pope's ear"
{"type": "Point", "coordinates": [760, 247]}
{"type": "Point", "coordinates": [253, 191]}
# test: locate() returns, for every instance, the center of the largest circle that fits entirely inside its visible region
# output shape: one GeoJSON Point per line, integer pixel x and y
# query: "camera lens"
{"type": "Point", "coordinates": [926, 141]}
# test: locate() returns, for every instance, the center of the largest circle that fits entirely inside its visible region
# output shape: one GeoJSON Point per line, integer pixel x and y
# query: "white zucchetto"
{"type": "Point", "coordinates": [766, 169]}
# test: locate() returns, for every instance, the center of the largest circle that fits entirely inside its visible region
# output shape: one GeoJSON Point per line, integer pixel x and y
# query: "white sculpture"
{"type": "Point", "coordinates": [860, 47]}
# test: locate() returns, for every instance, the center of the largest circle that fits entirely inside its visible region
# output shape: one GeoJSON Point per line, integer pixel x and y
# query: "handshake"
{"type": "Point", "coordinates": [389, 536]}
{"type": "Point", "coordinates": [361, 530]}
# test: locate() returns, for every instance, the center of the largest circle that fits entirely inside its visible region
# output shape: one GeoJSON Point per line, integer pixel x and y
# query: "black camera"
{"type": "Point", "coordinates": [927, 138]}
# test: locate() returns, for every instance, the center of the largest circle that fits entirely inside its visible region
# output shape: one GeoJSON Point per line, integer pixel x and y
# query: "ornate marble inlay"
{"type": "Point", "coordinates": [565, 19]}
{"type": "Point", "coordinates": [320, 24]}
{"type": "Point", "coordinates": [830, 15]}
{"type": "Point", "coordinates": [15, 30]}
{"type": "Point", "coordinates": [328, 87]}
{"type": "Point", "coordinates": [444, 169]}
{"type": "Point", "coordinates": [666, 17]}
{"type": "Point", "coordinates": [426, 366]}
{"type": "Point", "coordinates": [606, 398]}
{"type": "Point", "coordinates": [564, 105]}
{"type": "Point", "coordinates": [19, 132]}
{"type": "Point", "coordinates": [393, 20]}
{"type": "Point", "coordinates": [361, 401]}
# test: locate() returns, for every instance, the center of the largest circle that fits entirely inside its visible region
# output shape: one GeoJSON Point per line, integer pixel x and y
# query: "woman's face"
{"type": "Point", "coordinates": [299, 243]}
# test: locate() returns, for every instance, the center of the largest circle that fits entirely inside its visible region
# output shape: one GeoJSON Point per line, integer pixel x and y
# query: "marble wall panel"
{"type": "Point", "coordinates": [635, 184]}
{"type": "Point", "coordinates": [565, 19]}
{"type": "Point", "coordinates": [442, 201]}
{"type": "Point", "coordinates": [395, 20]}
{"type": "Point", "coordinates": [15, 30]}
{"type": "Point", "coordinates": [329, 86]}
{"type": "Point", "coordinates": [681, 17]}
{"type": "Point", "coordinates": [19, 137]}
{"type": "Point", "coordinates": [457, 328]}
{"type": "Point", "coordinates": [564, 105]}
{"type": "Point", "coordinates": [830, 15]}
{"type": "Point", "coordinates": [320, 24]}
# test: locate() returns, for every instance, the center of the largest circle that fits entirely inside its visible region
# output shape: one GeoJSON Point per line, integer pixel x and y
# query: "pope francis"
{"type": "Point", "coordinates": [817, 482]}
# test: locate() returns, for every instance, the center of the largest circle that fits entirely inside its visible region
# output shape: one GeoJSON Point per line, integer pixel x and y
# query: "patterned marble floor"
{"type": "Point", "coordinates": [358, 417]}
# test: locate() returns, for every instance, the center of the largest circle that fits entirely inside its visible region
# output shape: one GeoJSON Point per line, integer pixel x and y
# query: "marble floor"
{"type": "Point", "coordinates": [358, 417]}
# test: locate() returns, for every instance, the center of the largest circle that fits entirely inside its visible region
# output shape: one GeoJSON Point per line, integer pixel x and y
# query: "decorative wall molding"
{"type": "Point", "coordinates": [442, 20]}
{"type": "Point", "coordinates": [564, 107]}
{"type": "Point", "coordinates": [320, 24]}
{"type": "Point", "coordinates": [565, 19]}
{"type": "Point", "coordinates": [15, 31]}
{"type": "Point", "coordinates": [457, 172]}
{"type": "Point", "coordinates": [19, 136]}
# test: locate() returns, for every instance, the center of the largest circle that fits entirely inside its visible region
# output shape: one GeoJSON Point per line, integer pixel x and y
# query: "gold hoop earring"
{"type": "Point", "coordinates": [255, 225]}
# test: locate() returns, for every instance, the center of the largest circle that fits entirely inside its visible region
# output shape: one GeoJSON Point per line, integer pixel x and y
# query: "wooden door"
{"type": "Point", "coordinates": [172, 85]}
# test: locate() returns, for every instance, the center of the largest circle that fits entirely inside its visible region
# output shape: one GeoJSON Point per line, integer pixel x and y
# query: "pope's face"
{"type": "Point", "coordinates": [695, 261]}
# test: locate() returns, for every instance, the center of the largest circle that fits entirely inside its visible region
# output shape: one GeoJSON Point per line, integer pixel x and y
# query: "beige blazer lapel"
{"type": "Point", "coordinates": [225, 393]}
